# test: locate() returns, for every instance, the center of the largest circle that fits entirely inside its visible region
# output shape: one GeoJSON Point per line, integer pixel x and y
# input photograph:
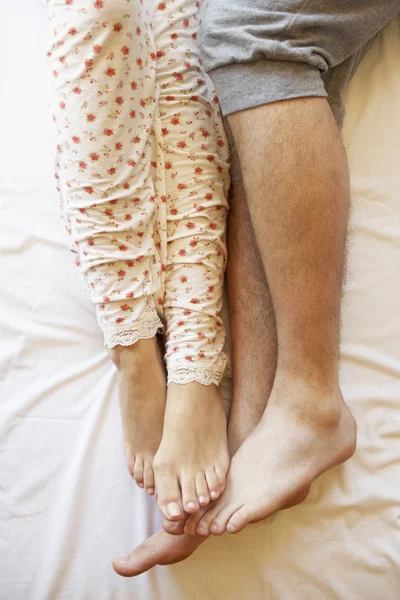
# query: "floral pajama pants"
{"type": "Point", "coordinates": [142, 171]}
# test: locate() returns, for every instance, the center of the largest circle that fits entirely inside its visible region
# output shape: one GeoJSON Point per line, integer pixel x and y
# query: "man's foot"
{"type": "Point", "coordinates": [192, 461]}
{"type": "Point", "coordinates": [303, 433]}
{"type": "Point", "coordinates": [160, 549]}
{"type": "Point", "coordinates": [142, 392]}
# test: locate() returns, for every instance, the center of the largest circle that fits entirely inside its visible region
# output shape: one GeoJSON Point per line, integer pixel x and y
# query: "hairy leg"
{"type": "Point", "coordinates": [252, 319]}
{"type": "Point", "coordinates": [296, 180]}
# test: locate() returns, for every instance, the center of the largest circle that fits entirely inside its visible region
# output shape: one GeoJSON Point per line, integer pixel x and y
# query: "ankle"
{"type": "Point", "coordinates": [136, 355]}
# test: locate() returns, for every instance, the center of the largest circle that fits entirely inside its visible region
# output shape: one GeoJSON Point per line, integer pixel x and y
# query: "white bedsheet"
{"type": "Point", "coordinates": [67, 504]}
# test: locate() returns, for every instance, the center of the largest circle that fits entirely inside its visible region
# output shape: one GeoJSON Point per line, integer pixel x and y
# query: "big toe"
{"type": "Point", "coordinates": [168, 493]}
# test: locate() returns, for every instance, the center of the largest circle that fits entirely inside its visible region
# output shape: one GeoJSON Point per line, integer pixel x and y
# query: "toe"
{"type": "Point", "coordinates": [189, 499]}
{"type": "Point", "coordinates": [239, 520]}
{"type": "Point", "coordinates": [138, 470]}
{"type": "Point", "coordinates": [213, 483]}
{"type": "Point", "coordinates": [174, 527]}
{"type": "Point", "coordinates": [219, 523]}
{"type": "Point", "coordinates": [192, 522]}
{"type": "Point", "coordinates": [202, 492]}
{"type": "Point", "coordinates": [204, 524]}
{"type": "Point", "coordinates": [168, 494]}
{"type": "Point", "coordinates": [148, 478]}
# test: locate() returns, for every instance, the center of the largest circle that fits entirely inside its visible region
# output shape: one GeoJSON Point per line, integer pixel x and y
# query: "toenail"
{"type": "Point", "coordinates": [201, 531]}
{"type": "Point", "coordinates": [120, 561]}
{"type": "Point", "coordinates": [191, 505]}
{"type": "Point", "coordinates": [230, 528]}
{"type": "Point", "coordinates": [140, 485]}
{"type": "Point", "coordinates": [150, 491]}
{"type": "Point", "coordinates": [214, 528]}
{"type": "Point", "coordinates": [174, 510]}
{"type": "Point", "coordinates": [203, 500]}
{"type": "Point", "coordinates": [214, 495]}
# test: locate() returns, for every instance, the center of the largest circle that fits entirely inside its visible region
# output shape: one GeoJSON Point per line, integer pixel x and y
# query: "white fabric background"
{"type": "Point", "coordinates": [67, 504]}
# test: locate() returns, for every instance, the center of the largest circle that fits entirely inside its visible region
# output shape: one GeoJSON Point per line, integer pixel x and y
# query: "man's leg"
{"type": "Point", "coordinates": [297, 185]}
{"type": "Point", "coordinates": [252, 319]}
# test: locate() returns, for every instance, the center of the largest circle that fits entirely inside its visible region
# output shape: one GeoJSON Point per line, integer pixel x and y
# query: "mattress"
{"type": "Point", "coordinates": [67, 503]}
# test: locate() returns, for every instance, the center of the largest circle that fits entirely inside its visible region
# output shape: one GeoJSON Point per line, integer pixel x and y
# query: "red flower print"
{"type": "Point", "coordinates": [183, 279]}
{"type": "Point", "coordinates": [209, 196]}
{"type": "Point", "coordinates": [108, 132]}
{"type": "Point", "coordinates": [187, 65]}
{"type": "Point", "coordinates": [88, 189]}
{"type": "Point", "coordinates": [106, 299]}
{"type": "Point", "coordinates": [168, 165]}
{"type": "Point", "coordinates": [174, 36]}
{"type": "Point", "coordinates": [125, 50]}
{"type": "Point", "coordinates": [89, 63]}
{"type": "Point", "coordinates": [77, 90]}
{"type": "Point", "coordinates": [98, 4]}
{"type": "Point", "coordinates": [109, 212]}
{"type": "Point", "coordinates": [117, 27]}
{"type": "Point", "coordinates": [170, 98]}
{"type": "Point", "coordinates": [200, 81]}
{"type": "Point", "coordinates": [181, 144]}
{"type": "Point", "coordinates": [190, 225]}
{"type": "Point", "coordinates": [193, 243]}
{"type": "Point", "coordinates": [210, 158]}
{"type": "Point", "coordinates": [69, 2]}
{"type": "Point", "coordinates": [198, 170]}
{"type": "Point", "coordinates": [118, 146]}
{"type": "Point", "coordinates": [82, 164]}
{"type": "Point", "coordinates": [174, 211]}
{"type": "Point", "coordinates": [189, 358]}
{"type": "Point", "coordinates": [182, 252]}
{"type": "Point", "coordinates": [72, 31]}
{"type": "Point", "coordinates": [182, 186]}
{"type": "Point", "coordinates": [129, 263]}
{"type": "Point", "coordinates": [142, 103]}
{"type": "Point", "coordinates": [201, 354]}
{"type": "Point", "coordinates": [140, 234]}
{"type": "Point", "coordinates": [94, 156]}
{"type": "Point", "coordinates": [139, 63]}
{"type": "Point", "coordinates": [162, 6]}
{"type": "Point", "coordinates": [160, 302]}
{"type": "Point", "coordinates": [221, 143]}
{"type": "Point", "coordinates": [121, 273]}
{"type": "Point", "coordinates": [133, 85]}
{"type": "Point", "coordinates": [153, 164]}
{"type": "Point", "coordinates": [96, 48]}
{"type": "Point", "coordinates": [76, 139]}
{"type": "Point", "coordinates": [132, 114]}
{"type": "Point", "coordinates": [175, 121]}
{"type": "Point", "coordinates": [178, 76]}
{"type": "Point", "coordinates": [119, 100]}
{"type": "Point", "coordinates": [195, 301]}
{"type": "Point", "coordinates": [119, 320]}
{"type": "Point", "coordinates": [160, 54]}
{"type": "Point", "coordinates": [90, 242]}
{"type": "Point", "coordinates": [112, 171]}
{"type": "Point", "coordinates": [138, 31]}
{"type": "Point", "coordinates": [55, 73]}
{"type": "Point", "coordinates": [136, 139]}
{"type": "Point", "coordinates": [204, 132]}
{"type": "Point", "coordinates": [163, 268]}
{"type": "Point", "coordinates": [62, 105]}
{"type": "Point", "coordinates": [90, 117]}
{"type": "Point", "coordinates": [83, 211]}
{"type": "Point", "coordinates": [128, 217]}
{"type": "Point", "coordinates": [186, 22]}
{"type": "Point", "coordinates": [163, 198]}
{"type": "Point", "coordinates": [131, 162]}
{"type": "Point", "coordinates": [113, 202]}
{"type": "Point", "coordinates": [123, 248]}
{"type": "Point", "coordinates": [164, 131]}
{"type": "Point", "coordinates": [194, 98]}
{"type": "Point", "coordinates": [180, 323]}
{"type": "Point", "coordinates": [213, 226]}
{"type": "Point", "coordinates": [110, 72]}
{"type": "Point", "coordinates": [126, 186]}
{"type": "Point", "coordinates": [200, 208]}
{"type": "Point", "coordinates": [187, 312]}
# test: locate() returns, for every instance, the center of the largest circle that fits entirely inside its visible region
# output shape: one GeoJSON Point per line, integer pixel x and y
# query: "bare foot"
{"type": "Point", "coordinates": [303, 433]}
{"type": "Point", "coordinates": [142, 392]}
{"type": "Point", "coordinates": [160, 549]}
{"type": "Point", "coordinates": [192, 461]}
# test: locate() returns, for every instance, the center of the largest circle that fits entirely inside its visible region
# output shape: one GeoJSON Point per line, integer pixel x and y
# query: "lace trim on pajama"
{"type": "Point", "coordinates": [205, 375]}
{"type": "Point", "coordinates": [126, 335]}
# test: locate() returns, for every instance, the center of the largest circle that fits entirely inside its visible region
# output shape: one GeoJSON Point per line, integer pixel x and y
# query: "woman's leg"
{"type": "Point", "coordinates": [192, 461]}
{"type": "Point", "coordinates": [103, 109]}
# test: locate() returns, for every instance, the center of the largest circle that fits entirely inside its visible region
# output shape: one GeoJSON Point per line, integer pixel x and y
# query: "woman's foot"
{"type": "Point", "coordinates": [192, 461]}
{"type": "Point", "coordinates": [304, 432]}
{"type": "Point", "coordinates": [142, 393]}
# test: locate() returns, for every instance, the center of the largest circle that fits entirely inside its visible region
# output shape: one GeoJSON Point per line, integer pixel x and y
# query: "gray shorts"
{"type": "Point", "coordinates": [262, 51]}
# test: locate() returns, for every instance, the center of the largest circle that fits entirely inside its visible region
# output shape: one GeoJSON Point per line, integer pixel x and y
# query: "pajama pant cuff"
{"type": "Point", "coordinates": [127, 334]}
{"type": "Point", "coordinates": [206, 374]}
{"type": "Point", "coordinates": [241, 86]}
